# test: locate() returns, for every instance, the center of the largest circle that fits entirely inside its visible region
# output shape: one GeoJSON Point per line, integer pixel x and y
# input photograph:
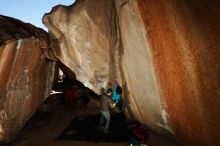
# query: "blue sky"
{"type": "Point", "coordinates": [30, 11]}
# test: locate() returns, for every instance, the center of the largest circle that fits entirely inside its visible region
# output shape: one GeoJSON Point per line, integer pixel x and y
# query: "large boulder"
{"type": "Point", "coordinates": [25, 75]}
{"type": "Point", "coordinates": [82, 37]}
{"type": "Point", "coordinates": [183, 38]}
{"type": "Point", "coordinates": [164, 55]}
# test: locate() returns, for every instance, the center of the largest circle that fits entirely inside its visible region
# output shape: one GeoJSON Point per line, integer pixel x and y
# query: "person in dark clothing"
{"type": "Point", "coordinates": [69, 97]}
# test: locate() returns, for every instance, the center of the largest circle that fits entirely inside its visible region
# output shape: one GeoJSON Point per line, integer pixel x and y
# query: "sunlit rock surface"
{"type": "Point", "coordinates": [164, 54]}
{"type": "Point", "coordinates": [25, 75]}
{"type": "Point", "coordinates": [82, 37]}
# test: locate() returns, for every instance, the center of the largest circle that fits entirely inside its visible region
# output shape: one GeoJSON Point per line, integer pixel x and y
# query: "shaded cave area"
{"type": "Point", "coordinates": [58, 112]}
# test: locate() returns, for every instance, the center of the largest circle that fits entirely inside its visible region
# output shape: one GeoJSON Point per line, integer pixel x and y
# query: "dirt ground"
{"type": "Point", "coordinates": [51, 119]}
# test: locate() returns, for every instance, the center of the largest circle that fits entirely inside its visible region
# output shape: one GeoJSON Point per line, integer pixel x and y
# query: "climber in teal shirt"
{"type": "Point", "coordinates": [117, 95]}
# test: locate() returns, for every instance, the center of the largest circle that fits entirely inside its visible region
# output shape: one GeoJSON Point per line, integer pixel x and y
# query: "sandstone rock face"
{"type": "Point", "coordinates": [25, 75]}
{"type": "Point", "coordinates": [184, 41]}
{"type": "Point", "coordinates": [82, 37]}
{"type": "Point", "coordinates": [164, 54]}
